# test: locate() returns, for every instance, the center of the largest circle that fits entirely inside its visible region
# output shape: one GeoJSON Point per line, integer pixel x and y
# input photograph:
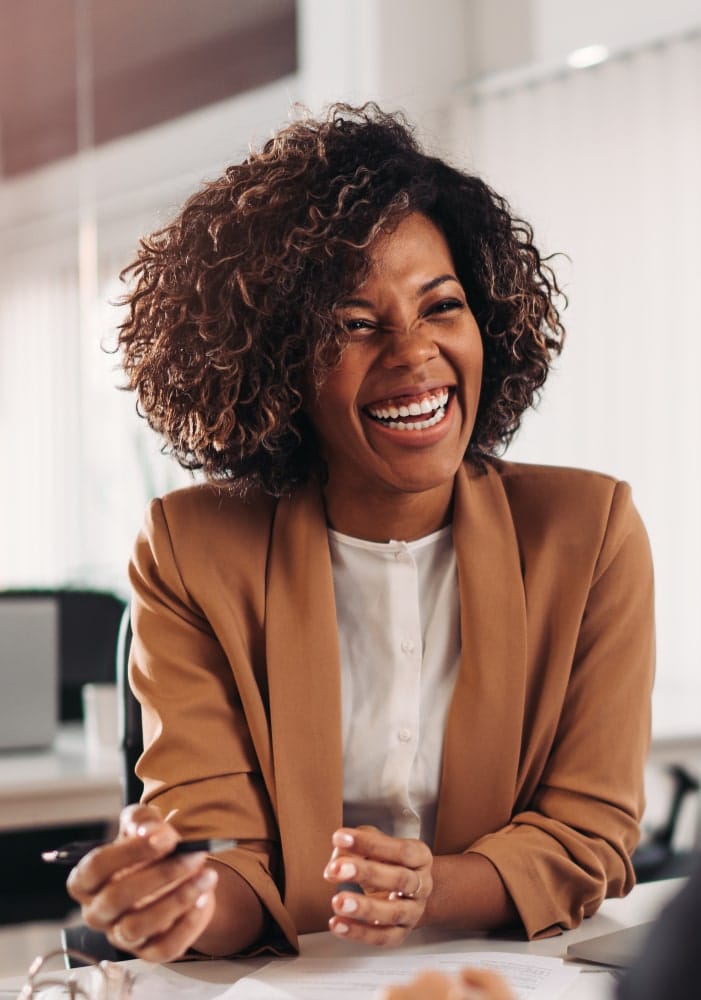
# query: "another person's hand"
{"type": "Point", "coordinates": [145, 902]}
{"type": "Point", "coordinates": [471, 984]}
{"type": "Point", "coordinates": [395, 876]}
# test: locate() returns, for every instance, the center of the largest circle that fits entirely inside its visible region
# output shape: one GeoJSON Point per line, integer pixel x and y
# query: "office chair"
{"type": "Point", "coordinates": [131, 733]}
{"type": "Point", "coordinates": [657, 857]}
{"type": "Point", "coordinates": [80, 937]}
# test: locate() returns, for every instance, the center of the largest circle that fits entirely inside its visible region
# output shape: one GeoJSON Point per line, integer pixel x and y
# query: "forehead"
{"type": "Point", "coordinates": [416, 244]}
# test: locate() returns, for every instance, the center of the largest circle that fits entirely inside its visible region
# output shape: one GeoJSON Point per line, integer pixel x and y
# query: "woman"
{"type": "Point", "coordinates": [366, 648]}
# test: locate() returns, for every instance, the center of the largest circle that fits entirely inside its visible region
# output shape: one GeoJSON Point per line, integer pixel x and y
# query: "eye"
{"type": "Point", "coordinates": [357, 325]}
{"type": "Point", "coordinates": [444, 306]}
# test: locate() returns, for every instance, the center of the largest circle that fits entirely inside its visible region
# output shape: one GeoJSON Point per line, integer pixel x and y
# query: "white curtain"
{"type": "Point", "coordinates": [78, 466]}
{"type": "Point", "coordinates": [606, 164]}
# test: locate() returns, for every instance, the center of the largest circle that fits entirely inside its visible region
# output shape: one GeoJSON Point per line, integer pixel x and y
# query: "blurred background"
{"type": "Point", "coordinates": [583, 113]}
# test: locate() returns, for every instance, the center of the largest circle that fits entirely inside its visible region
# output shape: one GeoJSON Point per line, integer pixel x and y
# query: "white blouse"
{"type": "Point", "coordinates": [398, 614]}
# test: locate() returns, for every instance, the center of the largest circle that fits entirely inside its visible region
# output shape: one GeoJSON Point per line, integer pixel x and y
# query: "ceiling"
{"type": "Point", "coordinates": [141, 62]}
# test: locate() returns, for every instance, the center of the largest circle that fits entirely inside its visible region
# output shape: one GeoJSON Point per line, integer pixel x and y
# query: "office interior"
{"type": "Point", "coordinates": [585, 114]}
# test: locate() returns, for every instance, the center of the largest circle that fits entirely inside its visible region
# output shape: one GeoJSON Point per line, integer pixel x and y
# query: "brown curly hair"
{"type": "Point", "coordinates": [233, 303]}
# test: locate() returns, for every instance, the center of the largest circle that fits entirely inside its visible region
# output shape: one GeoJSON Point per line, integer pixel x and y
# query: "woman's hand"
{"type": "Point", "coordinates": [472, 984]}
{"type": "Point", "coordinates": [395, 876]}
{"type": "Point", "coordinates": [146, 902]}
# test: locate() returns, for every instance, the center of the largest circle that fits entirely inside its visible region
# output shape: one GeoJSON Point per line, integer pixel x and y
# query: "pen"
{"type": "Point", "coordinates": [70, 854]}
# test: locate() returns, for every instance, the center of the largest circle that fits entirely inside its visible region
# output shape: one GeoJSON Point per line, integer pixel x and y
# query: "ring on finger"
{"type": "Point", "coordinates": [408, 895]}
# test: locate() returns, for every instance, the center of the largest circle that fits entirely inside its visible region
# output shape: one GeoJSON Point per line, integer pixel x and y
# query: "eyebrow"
{"type": "Point", "coordinates": [421, 290]}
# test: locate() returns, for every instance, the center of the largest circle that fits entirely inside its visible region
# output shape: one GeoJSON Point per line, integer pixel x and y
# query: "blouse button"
{"type": "Point", "coordinates": [407, 646]}
{"type": "Point", "coordinates": [404, 735]}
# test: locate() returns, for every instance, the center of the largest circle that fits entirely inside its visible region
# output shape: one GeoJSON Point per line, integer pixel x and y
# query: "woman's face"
{"type": "Point", "coordinates": [396, 414]}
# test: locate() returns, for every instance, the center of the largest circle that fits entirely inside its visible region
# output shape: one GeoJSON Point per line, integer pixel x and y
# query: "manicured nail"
{"type": "Point", "coordinates": [206, 880]}
{"type": "Point", "coordinates": [342, 839]}
{"type": "Point", "coordinates": [340, 928]}
{"type": "Point", "coordinates": [347, 870]}
{"type": "Point", "coordinates": [193, 861]}
{"type": "Point", "coordinates": [202, 901]}
{"type": "Point", "coordinates": [349, 905]}
{"type": "Point", "coordinates": [162, 839]}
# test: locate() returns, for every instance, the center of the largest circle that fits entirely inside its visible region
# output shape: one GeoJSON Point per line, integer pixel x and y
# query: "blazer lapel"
{"type": "Point", "coordinates": [305, 700]}
{"type": "Point", "coordinates": [485, 720]}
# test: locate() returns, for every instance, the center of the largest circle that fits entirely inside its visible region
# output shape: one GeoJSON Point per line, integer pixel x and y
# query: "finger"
{"type": "Point", "coordinates": [181, 934]}
{"type": "Point", "coordinates": [137, 815]}
{"type": "Point", "coordinates": [375, 876]}
{"type": "Point", "coordinates": [138, 927]}
{"type": "Point", "coordinates": [485, 985]}
{"type": "Point", "coordinates": [369, 842]}
{"type": "Point", "coordinates": [378, 910]}
{"type": "Point", "coordinates": [426, 984]}
{"type": "Point", "coordinates": [140, 888]}
{"type": "Point", "coordinates": [380, 935]}
{"type": "Point", "coordinates": [113, 860]}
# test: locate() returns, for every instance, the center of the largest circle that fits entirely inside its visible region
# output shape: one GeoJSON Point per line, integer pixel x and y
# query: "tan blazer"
{"type": "Point", "coordinates": [236, 663]}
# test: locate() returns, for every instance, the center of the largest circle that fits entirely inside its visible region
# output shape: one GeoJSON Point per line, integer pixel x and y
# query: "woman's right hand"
{"type": "Point", "coordinates": [146, 902]}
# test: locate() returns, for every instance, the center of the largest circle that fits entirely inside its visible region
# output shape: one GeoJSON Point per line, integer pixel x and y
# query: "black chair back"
{"type": "Point", "coordinates": [88, 624]}
{"type": "Point", "coordinates": [131, 734]}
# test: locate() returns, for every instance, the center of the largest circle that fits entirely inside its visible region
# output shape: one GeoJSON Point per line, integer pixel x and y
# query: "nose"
{"type": "Point", "coordinates": [409, 347]}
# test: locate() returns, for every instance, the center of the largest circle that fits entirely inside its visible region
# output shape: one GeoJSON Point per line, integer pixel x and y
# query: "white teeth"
{"type": "Point", "coordinates": [430, 404]}
{"type": "Point", "coordinates": [418, 425]}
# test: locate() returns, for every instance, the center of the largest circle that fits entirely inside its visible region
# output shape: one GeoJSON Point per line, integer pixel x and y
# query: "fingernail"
{"type": "Point", "coordinates": [342, 839]}
{"type": "Point", "coordinates": [162, 839]}
{"type": "Point", "coordinates": [340, 928]}
{"type": "Point", "coordinates": [347, 870]}
{"type": "Point", "coordinates": [349, 905]}
{"type": "Point", "coordinates": [202, 901]}
{"type": "Point", "coordinates": [192, 860]}
{"type": "Point", "coordinates": [206, 880]}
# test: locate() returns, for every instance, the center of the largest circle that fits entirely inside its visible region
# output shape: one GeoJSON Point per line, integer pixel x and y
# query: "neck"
{"type": "Point", "coordinates": [401, 516]}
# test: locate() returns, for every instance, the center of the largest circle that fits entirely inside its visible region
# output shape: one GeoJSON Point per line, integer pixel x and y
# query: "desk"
{"type": "Point", "coordinates": [59, 786]}
{"type": "Point", "coordinates": [643, 904]}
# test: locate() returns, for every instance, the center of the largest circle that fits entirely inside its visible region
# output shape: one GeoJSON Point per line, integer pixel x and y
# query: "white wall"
{"type": "Point", "coordinates": [560, 26]}
{"type": "Point", "coordinates": [79, 466]}
{"type": "Point", "coordinates": [605, 164]}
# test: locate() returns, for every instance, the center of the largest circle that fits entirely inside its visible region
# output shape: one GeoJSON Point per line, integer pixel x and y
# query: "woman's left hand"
{"type": "Point", "coordinates": [395, 876]}
{"type": "Point", "coordinates": [471, 984]}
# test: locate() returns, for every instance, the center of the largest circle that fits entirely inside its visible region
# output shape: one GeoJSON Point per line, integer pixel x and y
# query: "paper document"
{"type": "Point", "coordinates": [531, 977]}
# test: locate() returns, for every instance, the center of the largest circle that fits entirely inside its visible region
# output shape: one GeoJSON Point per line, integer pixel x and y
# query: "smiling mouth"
{"type": "Point", "coordinates": [416, 413]}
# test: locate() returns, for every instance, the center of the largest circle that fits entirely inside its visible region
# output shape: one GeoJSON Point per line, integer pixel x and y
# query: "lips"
{"type": "Point", "coordinates": [410, 412]}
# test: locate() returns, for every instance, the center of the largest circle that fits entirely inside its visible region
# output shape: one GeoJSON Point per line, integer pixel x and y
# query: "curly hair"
{"type": "Point", "coordinates": [233, 304]}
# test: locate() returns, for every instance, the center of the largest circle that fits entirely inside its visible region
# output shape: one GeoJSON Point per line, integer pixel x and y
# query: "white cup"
{"type": "Point", "coordinates": [100, 718]}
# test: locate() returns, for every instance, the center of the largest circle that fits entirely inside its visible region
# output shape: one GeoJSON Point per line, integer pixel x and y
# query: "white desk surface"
{"type": "Point", "coordinates": [60, 785]}
{"type": "Point", "coordinates": [642, 905]}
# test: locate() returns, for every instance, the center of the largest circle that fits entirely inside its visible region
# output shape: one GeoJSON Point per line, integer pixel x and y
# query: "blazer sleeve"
{"type": "Point", "coordinates": [570, 847]}
{"type": "Point", "coordinates": [199, 766]}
